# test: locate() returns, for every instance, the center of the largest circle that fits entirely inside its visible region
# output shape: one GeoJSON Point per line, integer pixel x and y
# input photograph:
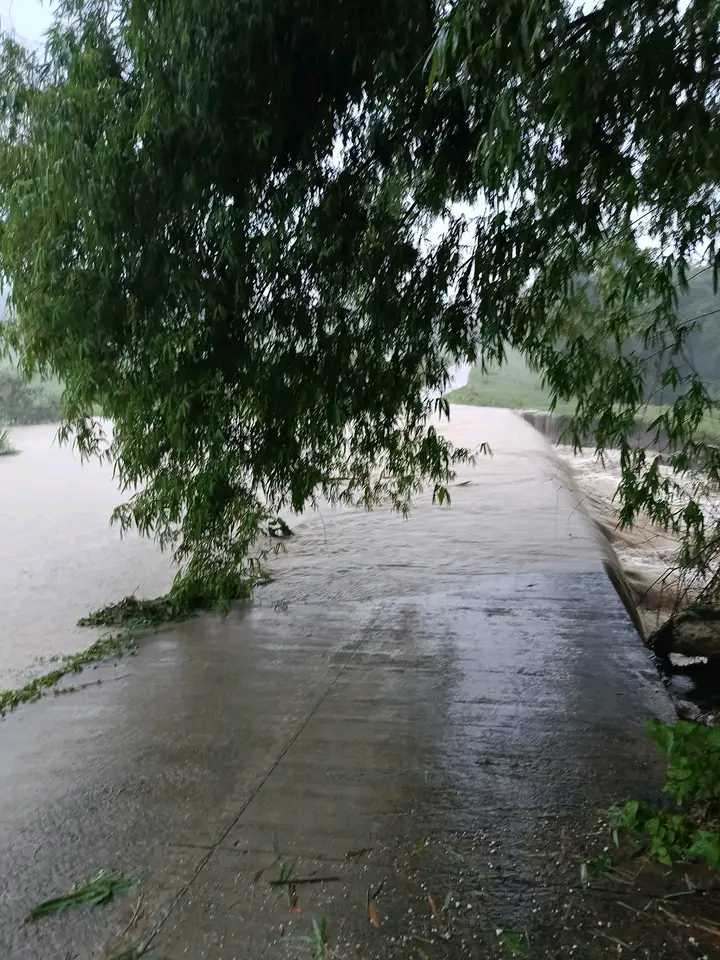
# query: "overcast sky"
{"type": "Point", "coordinates": [29, 19]}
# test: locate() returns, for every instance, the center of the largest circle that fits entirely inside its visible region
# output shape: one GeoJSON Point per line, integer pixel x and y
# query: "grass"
{"type": "Point", "coordinates": [99, 889]}
{"type": "Point", "coordinates": [514, 944]}
{"type": "Point", "coordinates": [515, 386]}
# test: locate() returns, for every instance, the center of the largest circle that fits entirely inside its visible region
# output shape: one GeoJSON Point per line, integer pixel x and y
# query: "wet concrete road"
{"type": "Point", "coordinates": [434, 707]}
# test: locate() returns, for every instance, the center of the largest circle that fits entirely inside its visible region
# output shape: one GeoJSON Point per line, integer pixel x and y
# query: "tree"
{"type": "Point", "coordinates": [257, 234]}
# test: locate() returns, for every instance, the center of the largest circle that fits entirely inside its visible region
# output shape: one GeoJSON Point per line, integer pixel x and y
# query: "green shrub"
{"type": "Point", "coordinates": [693, 755]}
{"type": "Point", "coordinates": [5, 446]}
{"type": "Point", "coordinates": [689, 829]}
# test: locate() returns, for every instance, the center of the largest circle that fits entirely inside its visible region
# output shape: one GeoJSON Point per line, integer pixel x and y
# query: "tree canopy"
{"type": "Point", "coordinates": [256, 235]}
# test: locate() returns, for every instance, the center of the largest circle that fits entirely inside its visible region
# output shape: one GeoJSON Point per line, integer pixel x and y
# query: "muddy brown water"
{"type": "Point", "coordinates": [59, 556]}
{"type": "Point", "coordinates": [512, 511]}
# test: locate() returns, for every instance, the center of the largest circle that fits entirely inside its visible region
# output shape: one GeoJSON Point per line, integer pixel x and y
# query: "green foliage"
{"type": "Point", "coordinates": [6, 446]}
{"type": "Point", "coordinates": [512, 384]}
{"type": "Point", "coordinates": [514, 944]}
{"type": "Point", "coordinates": [256, 235]}
{"type": "Point", "coordinates": [23, 402]}
{"type": "Point", "coordinates": [693, 755]}
{"type": "Point", "coordinates": [133, 612]}
{"type": "Point", "coordinates": [669, 835]}
{"type": "Point", "coordinates": [182, 602]}
{"type": "Point", "coordinates": [114, 645]}
{"type": "Point", "coordinates": [690, 830]}
{"type": "Point", "coordinates": [600, 864]}
{"type": "Point", "coordinates": [100, 889]}
{"type": "Point", "coordinates": [700, 352]}
{"type": "Point", "coordinates": [320, 939]}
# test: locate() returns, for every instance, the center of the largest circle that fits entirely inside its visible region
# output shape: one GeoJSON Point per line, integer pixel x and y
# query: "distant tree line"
{"type": "Point", "coordinates": [24, 402]}
{"type": "Point", "coordinates": [699, 308]}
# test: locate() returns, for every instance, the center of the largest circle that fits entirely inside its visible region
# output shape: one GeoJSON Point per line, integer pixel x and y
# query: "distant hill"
{"type": "Point", "coordinates": [515, 385]}
{"type": "Point", "coordinates": [702, 351]}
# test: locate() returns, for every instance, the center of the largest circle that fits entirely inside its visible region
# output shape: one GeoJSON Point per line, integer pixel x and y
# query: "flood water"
{"type": "Point", "coordinates": [60, 558]}
{"type": "Point", "coordinates": [483, 531]}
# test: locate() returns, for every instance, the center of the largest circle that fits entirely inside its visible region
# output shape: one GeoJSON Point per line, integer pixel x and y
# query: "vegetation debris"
{"type": "Point", "coordinates": [99, 889]}
{"type": "Point", "coordinates": [113, 645]}
{"type": "Point", "coordinates": [298, 880]}
{"type": "Point", "coordinates": [133, 612]}
{"type": "Point", "coordinates": [320, 940]}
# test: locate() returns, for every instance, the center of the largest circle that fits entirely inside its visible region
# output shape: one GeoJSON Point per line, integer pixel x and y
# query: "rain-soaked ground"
{"type": "Point", "coordinates": [428, 713]}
